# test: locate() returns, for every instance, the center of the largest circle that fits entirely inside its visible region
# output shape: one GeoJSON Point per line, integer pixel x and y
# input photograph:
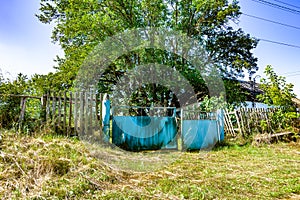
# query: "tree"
{"type": "Point", "coordinates": [276, 91]}
{"type": "Point", "coordinates": [81, 25]}
{"type": "Point", "coordinates": [13, 92]}
{"type": "Point", "coordinates": [10, 105]}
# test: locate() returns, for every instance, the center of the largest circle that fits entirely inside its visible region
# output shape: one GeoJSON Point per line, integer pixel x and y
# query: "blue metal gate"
{"type": "Point", "coordinates": [201, 130]}
{"type": "Point", "coordinates": [144, 128]}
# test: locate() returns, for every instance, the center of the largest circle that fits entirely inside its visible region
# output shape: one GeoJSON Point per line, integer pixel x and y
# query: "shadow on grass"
{"type": "Point", "coordinates": [231, 144]}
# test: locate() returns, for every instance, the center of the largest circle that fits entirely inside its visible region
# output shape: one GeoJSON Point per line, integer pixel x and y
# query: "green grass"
{"type": "Point", "coordinates": [52, 167]}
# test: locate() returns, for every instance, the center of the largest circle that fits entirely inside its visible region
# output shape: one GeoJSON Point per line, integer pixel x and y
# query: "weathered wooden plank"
{"type": "Point", "coordinates": [100, 111]}
{"type": "Point", "coordinates": [47, 108]}
{"type": "Point", "coordinates": [76, 105]}
{"type": "Point", "coordinates": [70, 115]}
{"type": "Point", "coordinates": [65, 113]}
{"type": "Point", "coordinates": [238, 121]}
{"type": "Point", "coordinates": [81, 113]}
{"type": "Point", "coordinates": [54, 111]}
{"type": "Point", "coordinates": [86, 113]}
{"type": "Point", "coordinates": [270, 136]}
{"type": "Point", "coordinates": [22, 113]}
{"type": "Point", "coordinates": [228, 123]}
{"type": "Point", "coordinates": [91, 114]}
{"type": "Point", "coordinates": [59, 111]}
{"type": "Point", "coordinates": [43, 109]}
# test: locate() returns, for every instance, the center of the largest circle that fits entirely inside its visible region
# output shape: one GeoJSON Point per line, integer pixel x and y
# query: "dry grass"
{"type": "Point", "coordinates": [49, 167]}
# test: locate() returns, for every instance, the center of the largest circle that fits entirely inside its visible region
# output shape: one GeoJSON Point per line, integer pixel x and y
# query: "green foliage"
{"type": "Point", "coordinates": [11, 92]}
{"type": "Point", "coordinates": [10, 105]}
{"type": "Point", "coordinates": [282, 119]}
{"type": "Point", "coordinates": [276, 91]}
{"type": "Point", "coordinates": [81, 25]}
{"type": "Point", "coordinates": [235, 95]}
{"type": "Point", "coordinates": [211, 104]}
{"type": "Point", "coordinates": [264, 126]}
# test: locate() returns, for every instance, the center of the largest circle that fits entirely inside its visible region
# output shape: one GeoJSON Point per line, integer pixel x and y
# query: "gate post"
{"type": "Point", "coordinates": [220, 124]}
{"type": "Point", "coordinates": [105, 117]}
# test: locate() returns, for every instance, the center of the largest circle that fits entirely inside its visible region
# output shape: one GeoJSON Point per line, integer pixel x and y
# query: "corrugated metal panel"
{"type": "Point", "coordinates": [203, 133]}
{"type": "Point", "coordinates": [199, 134]}
{"type": "Point", "coordinates": [137, 133]}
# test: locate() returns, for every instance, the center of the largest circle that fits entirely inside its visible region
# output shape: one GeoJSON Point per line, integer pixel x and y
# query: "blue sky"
{"type": "Point", "coordinates": [284, 59]}
{"type": "Point", "coordinates": [25, 43]}
{"type": "Point", "coordinates": [26, 47]}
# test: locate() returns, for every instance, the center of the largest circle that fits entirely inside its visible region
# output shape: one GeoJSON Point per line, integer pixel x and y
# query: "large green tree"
{"type": "Point", "coordinates": [276, 91]}
{"type": "Point", "coordinates": [81, 24]}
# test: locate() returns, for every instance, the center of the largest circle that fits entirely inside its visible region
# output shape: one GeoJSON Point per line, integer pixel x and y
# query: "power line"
{"type": "Point", "coordinates": [290, 72]}
{"type": "Point", "coordinates": [292, 75]}
{"type": "Point", "coordinates": [284, 8]}
{"type": "Point", "coordinates": [291, 5]}
{"type": "Point", "coordinates": [279, 43]}
{"type": "Point", "coordinates": [278, 6]}
{"type": "Point", "coordinates": [274, 22]}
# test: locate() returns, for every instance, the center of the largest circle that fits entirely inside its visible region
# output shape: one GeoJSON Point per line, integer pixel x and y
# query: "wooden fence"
{"type": "Point", "coordinates": [248, 120]}
{"type": "Point", "coordinates": [69, 113]}
{"type": "Point", "coordinates": [74, 113]}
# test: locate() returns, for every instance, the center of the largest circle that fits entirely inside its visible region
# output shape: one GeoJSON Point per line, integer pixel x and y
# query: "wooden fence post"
{"type": "Point", "coordinates": [100, 112]}
{"type": "Point", "coordinates": [59, 111]}
{"type": "Point", "coordinates": [43, 109]}
{"type": "Point", "coordinates": [75, 113]}
{"type": "Point", "coordinates": [91, 117]}
{"type": "Point", "coordinates": [65, 114]}
{"type": "Point", "coordinates": [86, 114]}
{"type": "Point", "coordinates": [53, 110]}
{"type": "Point", "coordinates": [81, 113]}
{"type": "Point", "coordinates": [70, 115]}
{"type": "Point", "coordinates": [47, 108]}
{"type": "Point", "coordinates": [22, 114]}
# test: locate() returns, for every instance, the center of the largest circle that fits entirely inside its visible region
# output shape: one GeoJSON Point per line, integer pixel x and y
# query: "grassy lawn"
{"type": "Point", "coordinates": [52, 167]}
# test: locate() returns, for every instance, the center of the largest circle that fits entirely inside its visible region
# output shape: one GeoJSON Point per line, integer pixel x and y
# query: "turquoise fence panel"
{"type": "Point", "coordinates": [105, 118]}
{"type": "Point", "coordinates": [139, 135]}
{"type": "Point", "coordinates": [220, 121]}
{"type": "Point", "coordinates": [201, 130]}
{"type": "Point", "coordinates": [136, 133]}
{"type": "Point", "coordinates": [199, 134]}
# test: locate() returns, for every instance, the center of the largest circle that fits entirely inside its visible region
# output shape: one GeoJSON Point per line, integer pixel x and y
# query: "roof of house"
{"type": "Point", "coordinates": [251, 86]}
{"type": "Point", "coordinates": [296, 101]}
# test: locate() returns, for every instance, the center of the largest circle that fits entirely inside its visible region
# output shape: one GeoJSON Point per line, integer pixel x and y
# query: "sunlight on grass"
{"type": "Point", "coordinates": [57, 167]}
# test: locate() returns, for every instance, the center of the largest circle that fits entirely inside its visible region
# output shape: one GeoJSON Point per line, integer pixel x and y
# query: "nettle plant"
{"type": "Point", "coordinates": [277, 92]}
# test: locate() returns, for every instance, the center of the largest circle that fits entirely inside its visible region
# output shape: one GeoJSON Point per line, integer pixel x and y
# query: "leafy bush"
{"type": "Point", "coordinates": [277, 92]}
{"type": "Point", "coordinates": [10, 105]}
{"type": "Point", "coordinates": [210, 104]}
{"type": "Point", "coordinates": [10, 101]}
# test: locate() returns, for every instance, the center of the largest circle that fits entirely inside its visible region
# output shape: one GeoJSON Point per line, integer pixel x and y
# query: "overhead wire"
{"type": "Point", "coordinates": [280, 43]}
{"type": "Point", "coordinates": [294, 11]}
{"type": "Point", "coordinates": [291, 5]}
{"type": "Point", "coordinates": [276, 22]}
{"type": "Point", "coordinates": [292, 75]}
{"type": "Point", "coordinates": [271, 21]}
{"type": "Point", "coordinates": [284, 8]}
{"type": "Point", "coordinates": [292, 72]}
